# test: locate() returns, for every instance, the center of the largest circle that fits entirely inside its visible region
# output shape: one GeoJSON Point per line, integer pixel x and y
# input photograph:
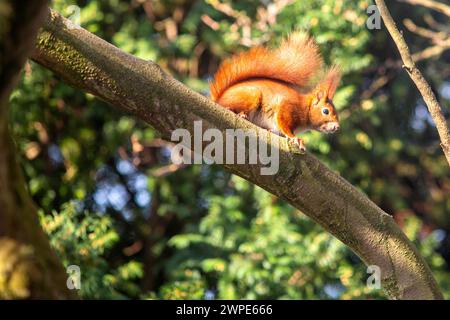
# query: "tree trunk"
{"type": "Point", "coordinates": [29, 269]}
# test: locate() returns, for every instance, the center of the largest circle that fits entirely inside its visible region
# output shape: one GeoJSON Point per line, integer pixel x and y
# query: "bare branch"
{"type": "Point", "coordinates": [432, 51]}
{"type": "Point", "coordinates": [166, 170]}
{"type": "Point", "coordinates": [429, 19]}
{"type": "Point", "coordinates": [430, 4]}
{"type": "Point", "coordinates": [425, 90]}
{"type": "Point", "coordinates": [387, 68]}
{"type": "Point", "coordinates": [437, 37]}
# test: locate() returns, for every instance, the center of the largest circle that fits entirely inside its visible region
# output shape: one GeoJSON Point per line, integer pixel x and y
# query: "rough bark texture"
{"type": "Point", "coordinates": [425, 90]}
{"type": "Point", "coordinates": [144, 90]}
{"type": "Point", "coordinates": [28, 267]}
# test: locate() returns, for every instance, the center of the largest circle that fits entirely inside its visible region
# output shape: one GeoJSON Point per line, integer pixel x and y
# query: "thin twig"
{"type": "Point", "coordinates": [431, 22]}
{"type": "Point", "coordinates": [430, 4]}
{"type": "Point", "coordinates": [435, 36]}
{"type": "Point", "coordinates": [431, 51]}
{"type": "Point", "coordinates": [387, 68]}
{"type": "Point", "coordinates": [168, 169]}
{"type": "Point", "coordinates": [408, 63]}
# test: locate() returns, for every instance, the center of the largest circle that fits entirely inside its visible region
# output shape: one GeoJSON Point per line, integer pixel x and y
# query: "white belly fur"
{"type": "Point", "coordinates": [262, 120]}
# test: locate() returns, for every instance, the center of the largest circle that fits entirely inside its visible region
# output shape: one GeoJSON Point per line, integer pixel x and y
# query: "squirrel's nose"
{"type": "Point", "coordinates": [336, 126]}
{"type": "Point", "coordinates": [333, 126]}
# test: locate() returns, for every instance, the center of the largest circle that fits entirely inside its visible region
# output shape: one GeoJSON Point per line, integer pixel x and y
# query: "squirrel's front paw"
{"type": "Point", "coordinates": [243, 115]}
{"type": "Point", "coordinates": [299, 142]}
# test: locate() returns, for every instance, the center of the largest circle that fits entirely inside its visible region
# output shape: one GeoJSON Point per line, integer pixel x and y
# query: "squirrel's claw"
{"type": "Point", "coordinates": [299, 142]}
{"type": "Point", "coordinates": [243, 115]}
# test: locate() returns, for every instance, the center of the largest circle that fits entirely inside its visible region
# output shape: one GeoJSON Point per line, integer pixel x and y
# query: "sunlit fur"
{"type": "Point", "coordinates": [321, 98]}
{"type": "Point", "coordinates": [320, 121]}
{"type": "Point", "coordinates": [267, 86]}
{"type": "Point", "coordinates": [295, 61]}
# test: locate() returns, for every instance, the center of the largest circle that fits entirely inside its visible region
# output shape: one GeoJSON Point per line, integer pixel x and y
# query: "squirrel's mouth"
{"type": "Point", "coordinates": [329, 127]}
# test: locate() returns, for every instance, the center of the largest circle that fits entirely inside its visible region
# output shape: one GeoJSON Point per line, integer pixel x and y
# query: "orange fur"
{"type": "Point", "coordinates": [263, 86]}
{"type": "Point", "coordinates": [295, 61]}
{"type": "Point", "coordinates": [331, 81]}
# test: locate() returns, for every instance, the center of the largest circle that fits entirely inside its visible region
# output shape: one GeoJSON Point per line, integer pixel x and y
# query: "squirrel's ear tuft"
{"type": "Point", "coordinates": [332, 79]}
{"type": "Point", "coordinates": [318, 96]}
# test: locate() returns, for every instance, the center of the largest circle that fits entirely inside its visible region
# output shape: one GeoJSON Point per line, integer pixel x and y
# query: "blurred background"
{"type": "Point", "coordinates": [140, 227]}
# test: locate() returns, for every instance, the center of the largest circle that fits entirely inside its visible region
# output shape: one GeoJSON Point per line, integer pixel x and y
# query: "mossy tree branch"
{"type": "Point", "coordinates": [29, 269]}
{"type": "Point", "coordinates": [144, 90]}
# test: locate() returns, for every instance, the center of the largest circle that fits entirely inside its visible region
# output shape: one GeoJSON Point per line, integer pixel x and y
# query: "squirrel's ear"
{"type": "Point", "coordinates": [327, 87]}
{"type": "Point", "coordinates": [318, 96]}
{"type": "Point", "coordinates": [332, 80]}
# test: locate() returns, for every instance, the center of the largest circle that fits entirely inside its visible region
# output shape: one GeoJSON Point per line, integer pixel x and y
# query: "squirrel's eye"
{"type": "Point", "coordinates": [325, 111]}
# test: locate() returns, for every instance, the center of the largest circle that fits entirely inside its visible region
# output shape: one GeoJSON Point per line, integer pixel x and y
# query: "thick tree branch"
{"type": "Point", "coordinates": [144, 90]}
{"type": "Point", "coordinates": [28, 266]}
{"type": "Point", "coordinates": [425, 90]}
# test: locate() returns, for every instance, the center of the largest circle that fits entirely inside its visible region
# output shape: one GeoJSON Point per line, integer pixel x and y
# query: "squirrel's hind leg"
{"type": "Point", "coordinates": [241, 100]}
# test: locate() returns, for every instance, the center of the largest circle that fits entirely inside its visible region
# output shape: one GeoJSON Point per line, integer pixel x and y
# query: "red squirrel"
{"type": "Point", "coordinates": [264, 86]}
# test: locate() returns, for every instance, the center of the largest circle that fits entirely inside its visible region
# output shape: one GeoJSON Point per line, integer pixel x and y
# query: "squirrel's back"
{"type": "Point", "coordinates": [295, 61]}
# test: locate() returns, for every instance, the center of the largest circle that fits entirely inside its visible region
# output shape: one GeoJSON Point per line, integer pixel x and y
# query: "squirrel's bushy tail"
{"type": "Point", "coordinates": [295, 61]}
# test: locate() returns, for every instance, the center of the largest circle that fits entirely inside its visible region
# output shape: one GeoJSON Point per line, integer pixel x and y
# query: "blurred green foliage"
{"type": "Point", "coordinates": [110, 206]}
{"type": "Point", "coordinates": [84, 240]}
